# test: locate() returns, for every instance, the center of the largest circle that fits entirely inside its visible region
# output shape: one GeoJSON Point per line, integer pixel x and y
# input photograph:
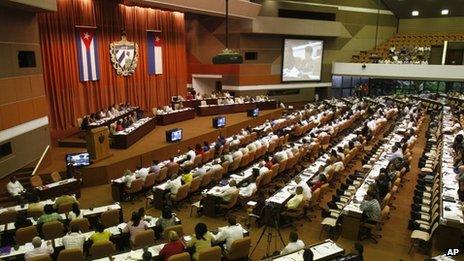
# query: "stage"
{"type": "Point", "coordinates": [154, 146]}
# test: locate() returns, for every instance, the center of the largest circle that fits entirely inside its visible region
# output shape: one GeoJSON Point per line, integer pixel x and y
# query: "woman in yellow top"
{"type": "Point", "coordinates": [200, 240]}
{"type": "Point", "coordinates": [100, 235]}
{"type": "Point", "coordinates": [187, 176]}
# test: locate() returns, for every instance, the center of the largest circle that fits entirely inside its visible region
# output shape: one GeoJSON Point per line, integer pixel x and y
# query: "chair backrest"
{"type": "Point", "coordinates": [136, 186]}
{"type": "Point", "coordinates": [163, 173]}
{"type": "Point", "coordinates": [182, 193]}
{"type": "Point", "coordinates": [144, 238]}
{"type": "Point", "coordinates": [178, 228]}
{"type": "Point", "coordinates": [25, 235]}
{"type": "Point", "coordinates": [210, 254]}
{"type": "Point", "coordinates": [233, 200]}
{"type": "Point", "coordinates": [275, 170]}
{"type": "Point", "coordinates": [55, 176]}
{"type": "Point", "coordinates": [206, 179]}
{"type": "Point", "coordinates": [35, 213]}
{"type": "Point", "coordinates": [217, 175]}
{"type": "Point", "coordinates": [235, 164]}
{"type": "Point", "coordinates": [36, 181]}
{"type": "Point", "coordinates": [266, 178]}
{"type": "Point", "coordinates": [82, 223]}
{"type": "Point", "coordinates": [180, 257]}
{"type": "Point", "coordinates": [172, 168]}
{"type": "Point", "coordinates": [74, 254]}
{"type": "Point", "coordinates": [154, 111]}
{"type": "Point", "coordinates": [110, 218]}
{"type": "Point", "coordinates": [102, 249]}
{"type": "Point", "coordinates": [315, 197]}
{"type": "Point", "coordinates": [239, 249]}
{"type": "Point", "coordinates": [282, 165]}
{"type": "Point", "coordinates": [197, 160]}
{"type": "Point", "coordinates": [195, 184]}
{"type": "Point", "coordinates": [149, 181]}
{"type": "Point", "coordinates": [384, 214]}
{"type": "Point", "coordinates": [206, 157]}
{"type": "Point", "coordinates": [225, 167]}
{"type": "Point", "coordinates": [8, 216]}
{"type": "Point", "coordinates": [79, 122]}
{"type": "Point", "coordinates": [65, 207]}
{"type": "Point", "coordinates": [52, 230]}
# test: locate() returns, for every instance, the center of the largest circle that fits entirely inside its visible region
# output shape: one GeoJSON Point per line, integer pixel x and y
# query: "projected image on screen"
{"type": "Point", "coordinates": [302, 60]}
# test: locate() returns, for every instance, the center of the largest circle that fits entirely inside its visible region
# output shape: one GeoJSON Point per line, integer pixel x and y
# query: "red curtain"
{"type": "Point", "coordinates": [69, 98]}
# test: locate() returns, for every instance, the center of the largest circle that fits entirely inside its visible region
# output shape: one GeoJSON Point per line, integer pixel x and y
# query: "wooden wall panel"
{"type": "Point", "coordinates": [9, 115]}
{"type": "Point", "coordinates": [40, 107]}
{"type": "Point", "coordinates": [26, 111]}
{"type": "Point", "coordinates": [37, 85]}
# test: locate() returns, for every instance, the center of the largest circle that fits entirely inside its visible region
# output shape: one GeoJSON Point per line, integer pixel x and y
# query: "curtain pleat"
{"type": "Point", "coordinates": [69, 98]}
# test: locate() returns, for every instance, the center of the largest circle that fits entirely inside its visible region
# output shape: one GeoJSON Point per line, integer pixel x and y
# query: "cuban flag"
{"type": "Point", "coordinates": [87, 54]}
{"type": "Point", "coordinates": [155, 53]}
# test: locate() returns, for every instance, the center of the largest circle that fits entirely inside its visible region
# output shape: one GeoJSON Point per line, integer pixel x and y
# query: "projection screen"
{"type": "Point", "coordinates": [302, 60]}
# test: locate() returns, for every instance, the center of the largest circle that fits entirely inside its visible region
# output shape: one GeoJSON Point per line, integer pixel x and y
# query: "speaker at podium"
{"type": "Point", "coordinates": [98, 143]}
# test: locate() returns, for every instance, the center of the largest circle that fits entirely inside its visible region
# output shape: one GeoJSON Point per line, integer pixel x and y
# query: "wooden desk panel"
{"type": "Point", "coordinates": [165, 119]}
{"type": "Point", "coordinates": [125, 141]}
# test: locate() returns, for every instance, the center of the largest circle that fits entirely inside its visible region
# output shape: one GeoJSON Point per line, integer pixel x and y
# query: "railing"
{"type": "Point", "coordinates": [44, 155]}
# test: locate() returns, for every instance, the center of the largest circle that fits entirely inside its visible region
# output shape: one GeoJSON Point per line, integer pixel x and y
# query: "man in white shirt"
{"type": "Point", "coordinates": [396, 153]}
{"type": "Point", "coordinates": [155, 168]}
{"type": "Point", "coordinates": [39, 249]}
{"type": "Point", "coordinates": [293, 245]}
{"type": "Point", "coordinates": [226, 195]}
{"type": "Point", "coordinates": [306, 189]}
{"type": "Point", "coordinates": [191, 153]}
{"type": "Point", "coordinates": [262, 168]}
{"type": "Point", "coordinates": [128, 178]}
{"type": "Point", "coordinates": [74, 239]}
{"type": "Point", "coordinates": [173, 184]}
{"type": "Point", "coordinates": [141, 173]}
{"type": "Point", "coordinates": [237, 154]}
{"type": "Point", "coordinates": [230, 233]}
{"type": "Point", "coordinates": [229, 158]}
{"type": "Point", "coordinates": [15, 188]}
{"type": "Point", "coordinates": [280, 156]}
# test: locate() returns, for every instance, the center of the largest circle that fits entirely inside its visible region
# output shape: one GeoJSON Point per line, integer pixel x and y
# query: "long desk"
{"type": "Point", "coordinates": [108, 121]}
{"type": "Point", "coordinates": [56, 189]}
{"type": "Point", "coordinates": [326, 250]}
{"type": "Point", "coordinates": [451, 214]}
{"type": "Point", "coordinates": [234, 108]}
{"type": "Point", "coordinates": [194, 103]}
{"type": "Point", "coordinates": [180, 115]}
{"type": "Point", "coordinates": [132, 134]}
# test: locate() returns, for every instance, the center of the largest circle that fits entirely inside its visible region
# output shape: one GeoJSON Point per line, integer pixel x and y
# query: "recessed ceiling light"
{"type": "Point", "coordinates": [444, 12]}
{"type": "Point", "coordinates": [415, 13]}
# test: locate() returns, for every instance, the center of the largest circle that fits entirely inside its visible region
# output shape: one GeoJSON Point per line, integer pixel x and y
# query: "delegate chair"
{"type": "Point", "coordinates": [239, 250]}
{"type": "Point", "coordinates": [173, 168]}
{"type": "Point", "coordinates": [210, 254]}
{"type": "Point", "coordinates": [180, 257]}
{"type": "Point", "coordinates": [102, 249]}
{"type": "Point", "coordinates": [41, 258]}
{"type": "Point", "coordinates": [231, 204]}
{"type": "Point", "coordinates": [110, 218]}
{"type": "Point", "coordinates": [25, 235]}
{"type": "Point", "coordinates": [182, 193]}
{"type": "Point", "coordinates": [65, 207]}
{"type": "Point", "coordinates": [178, 228]}
{"type": "Point", "coordinates": [55, 176]}
{"type": "Point", "coordinates": [207, 177]}
{"type": "Point", "coordinates": [149, 182]}
{"type": "Point", "coordinates": [36, 181]}
{"type": "Point", "coordinates": [74, 254]}
{"type": "Point", "coordinates": [52, 230]}
{"type": "Point", "coordinates": [82, 223]}
{"type": "Point", "coordinates": [195, 185]}
{"type": "Point", "coordinates": [144, 239]}
{"type": "Point", "coordinates": [8, 216]}
{"type": "Point", "coordinates": [163, 174]}
{"type": "Point", "coordinates": [136, 188]}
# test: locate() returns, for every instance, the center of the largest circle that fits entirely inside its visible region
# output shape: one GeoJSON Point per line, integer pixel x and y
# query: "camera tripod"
{"type": "Point", "coordinates": [272, 230]}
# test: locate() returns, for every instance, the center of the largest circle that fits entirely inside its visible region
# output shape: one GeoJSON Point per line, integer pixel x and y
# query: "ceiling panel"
{"type": "Point", "coordinates": [426, 8]}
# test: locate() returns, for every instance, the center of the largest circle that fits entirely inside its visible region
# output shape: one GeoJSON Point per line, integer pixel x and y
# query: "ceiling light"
{"type": "Point", "coordinates": [415, 13]}
{"type": "Point", "coordinates": [444, 12]}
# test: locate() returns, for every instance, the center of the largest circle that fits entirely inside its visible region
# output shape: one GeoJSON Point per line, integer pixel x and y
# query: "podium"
{"type": "Point", "coordinates": [98, 143]}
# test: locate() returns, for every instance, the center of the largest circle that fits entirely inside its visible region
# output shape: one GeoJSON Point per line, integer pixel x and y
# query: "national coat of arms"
{"type": "Point", "coordinates": [124, 56]}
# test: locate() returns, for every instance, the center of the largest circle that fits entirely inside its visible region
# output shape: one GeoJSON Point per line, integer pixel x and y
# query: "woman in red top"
{"type": "Point", "coordinates": [322, 179]}
{"type": "Point", "coordinates": [199, 150]}
{"type": "Point", "coordinates": [174, 247]}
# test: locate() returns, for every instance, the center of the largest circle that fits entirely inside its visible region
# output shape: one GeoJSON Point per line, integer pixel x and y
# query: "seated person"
{"type": "Point", "coordinates": [75, 212]}
{"type": "Point", "coordinates": [306, 189]}
{"type": "Point", "coordinates": [191, 153]}
{"type": "Point", "coordinates": [250, 189]}
{"type": "Point", "coordinates": [187, 176]}
{"type": "Point", "coordinates": [206, 146]}
{"type": "Point", "coordinates": [230, 233]}
{"type": "Point", "coordinates": [293, 245]}
{"type": "Point", "coordinates": [141, 173]}
{"type": "Point", "coordinates": [200, 240]}
{"type": "Point", "coordinates": [231, 189]}
{"type": "Point", "coordinates": [22, 220]}
{"type": "Point", "coordinates": [199, 150]}
{"type": "Point", "coordinates": [155, 169]}
{"type": "Point", "coordinates": [39, 249]}
{"type": "Point", "coordinates": [173, 247]}
{"type": "Point", "coordinates": [320, 180]}
{"type": "Point", "coordinates": [74, 239]}
{"type": "Point", "coordinates": [100, 234]}
{"type": "Point", "coordinates": [49, 215]}
{"type": "Point", "coordinates": [135, 225]}
{"type": "Point", "coordinates": [64, 199]}
{"type": "Point", "coordinates": [166, 219]}
{"type": "Point", "coordinates": [308, 254]}
{"type": "Point", "coordinates": [15, 188]}
{"type": "Point", "coordinates": [128, 177]}
{"type": "Point", "coordinates": [370, 207]}
{"type": "Point", "coordinates": [173, 185]}
{"type": "Point", "coordinates": [383, 184]}
{"type": "Point", "coordinates": [294, 202]}
{"type": "Point", "coordinates": [356, 255]}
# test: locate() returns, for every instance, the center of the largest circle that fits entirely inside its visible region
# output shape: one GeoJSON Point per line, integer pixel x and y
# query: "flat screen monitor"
{"type": "Point", "coordinates": [174, 135]}
{"type": "Point", "coordinates": [302, 60]}
{"type": "Point", "coordinates": [78, 159]}
{"type": "Point", "coordinates": [219, 122]}
{"type": "Point", "coordinates": [253, 112]}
